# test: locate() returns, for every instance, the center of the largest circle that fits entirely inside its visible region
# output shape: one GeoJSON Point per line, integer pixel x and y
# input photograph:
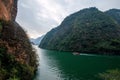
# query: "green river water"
{"type": "Point", "coordinates": [54, 65]}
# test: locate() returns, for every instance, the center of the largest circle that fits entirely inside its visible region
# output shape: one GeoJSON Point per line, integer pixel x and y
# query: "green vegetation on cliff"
{"type": "Point", "coordinates": [88, 30]}
{"type": "Point", "coordinates": [18, 60]}
{"type": "Point", "coordinates": [17, 57]}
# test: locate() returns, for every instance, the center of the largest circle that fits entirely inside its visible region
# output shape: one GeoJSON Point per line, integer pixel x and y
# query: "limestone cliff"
{"type": "Point", "coordinates": [8, 9]}
{"type": "Point", "coordinates": [17, 57]}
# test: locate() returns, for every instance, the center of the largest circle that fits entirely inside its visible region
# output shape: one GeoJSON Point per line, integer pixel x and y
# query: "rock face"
{"type": "Point", "coordinates": [17, 57]}
{"type": "Point", "coordinates": [8, 9]}
{"type": "Point", "coordinates": [89, 30]}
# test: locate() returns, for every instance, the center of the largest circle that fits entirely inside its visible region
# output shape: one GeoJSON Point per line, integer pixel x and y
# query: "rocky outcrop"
{"type": "Point", "coordinates": [8, 9]}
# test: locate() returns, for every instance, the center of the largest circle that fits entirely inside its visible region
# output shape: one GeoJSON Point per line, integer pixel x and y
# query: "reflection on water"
{"type": "Point", "coordinates": [47, 70]}
{"type": "Point", "coordinates": [66, 66]}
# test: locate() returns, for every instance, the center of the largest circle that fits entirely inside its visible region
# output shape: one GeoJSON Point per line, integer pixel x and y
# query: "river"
{"type": "Point", "coordinates": [54, 65]}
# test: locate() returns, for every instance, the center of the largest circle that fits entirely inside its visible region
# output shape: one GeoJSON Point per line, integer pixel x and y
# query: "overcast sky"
{"type": "Point", "coordinates": [37, 17]}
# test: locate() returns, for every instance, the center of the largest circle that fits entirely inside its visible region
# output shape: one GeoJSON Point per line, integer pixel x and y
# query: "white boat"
{"type": "Point", "coordinates": [76, 53]}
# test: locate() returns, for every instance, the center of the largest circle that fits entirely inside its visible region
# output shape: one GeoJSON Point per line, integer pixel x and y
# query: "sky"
{"type": "Point", "coordinates": [37, 17]}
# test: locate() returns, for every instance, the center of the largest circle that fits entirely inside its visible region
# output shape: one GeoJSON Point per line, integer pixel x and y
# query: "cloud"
{"type": "Point", "coordinates": [39, 16]}
{"type": "Point", "coordinates": [52, 10]}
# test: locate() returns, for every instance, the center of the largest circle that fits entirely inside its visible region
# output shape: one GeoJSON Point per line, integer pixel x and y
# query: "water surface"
{"type": "Point", "coordinates": [56, 65]}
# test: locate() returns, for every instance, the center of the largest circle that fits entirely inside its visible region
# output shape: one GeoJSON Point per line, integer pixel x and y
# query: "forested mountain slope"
{"type": "Point", "coordinates": [89, 30]}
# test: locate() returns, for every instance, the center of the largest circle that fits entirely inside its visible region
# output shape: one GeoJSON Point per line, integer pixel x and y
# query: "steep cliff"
{"type": "Point", "coordinates": [8, 9]}
{"type": "Point", "coordinates": [17, 57]}
{"type": "Point", "coordinates": [89, 30]}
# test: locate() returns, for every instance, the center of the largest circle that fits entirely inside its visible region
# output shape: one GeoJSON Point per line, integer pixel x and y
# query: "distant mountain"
{"type": "Point", "coordinates": [88, 30]}
{"type": "Point", "coordinates": [37, 40]}
{"type": "Point", "coordinates": [115, 14]}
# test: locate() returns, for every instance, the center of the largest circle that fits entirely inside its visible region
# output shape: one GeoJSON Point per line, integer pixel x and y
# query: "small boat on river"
{"type": "Point", "coordinates": [76, 53]}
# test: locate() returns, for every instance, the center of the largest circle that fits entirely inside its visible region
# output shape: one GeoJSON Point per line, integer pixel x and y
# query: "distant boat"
{"type": "Point", "coordinates": [76, 53]}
